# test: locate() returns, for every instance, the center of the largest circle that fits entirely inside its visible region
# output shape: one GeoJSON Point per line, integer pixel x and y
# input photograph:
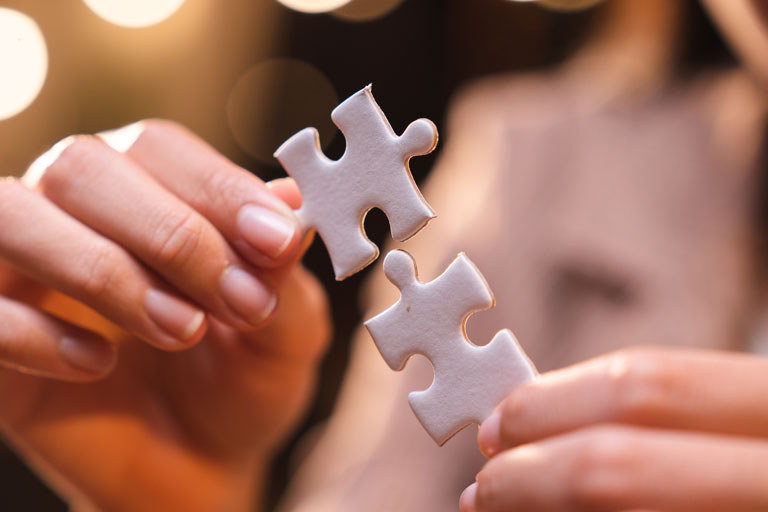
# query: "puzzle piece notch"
{"type": "Point", "coordinates": [429, 319]}
{"type": "Point", "coordinates": [372, 173]}
{"type": "Point", "coordinates": [484, 374]}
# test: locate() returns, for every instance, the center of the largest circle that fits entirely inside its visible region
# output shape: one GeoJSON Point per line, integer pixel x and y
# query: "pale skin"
{"type": "Point", "coordinates": [124, 397]}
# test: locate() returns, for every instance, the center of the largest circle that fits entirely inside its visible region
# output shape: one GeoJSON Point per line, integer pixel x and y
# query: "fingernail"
{"type": "Point", "coordinates": [172, 315]}
{"type": "Point", "coordinates": [467, 500]}
{"type": "Point", "coordinates": [267, 231]}
{"type": "Point", "coordinates": [245, 294]}
{"type": "Point", "coordinates": [489, 435]}
{"type": "Point", "coordinates": [95, 356]}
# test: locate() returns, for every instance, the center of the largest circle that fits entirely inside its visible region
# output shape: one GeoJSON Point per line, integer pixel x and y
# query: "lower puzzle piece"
{"type": "Point", "coordinates": [429, 319]}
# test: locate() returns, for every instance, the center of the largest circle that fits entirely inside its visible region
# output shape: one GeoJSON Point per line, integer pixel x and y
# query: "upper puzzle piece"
{"type": "Point", "coordinates": [373, 172]}
{"type": "Point", "coordinates": [429, 319]}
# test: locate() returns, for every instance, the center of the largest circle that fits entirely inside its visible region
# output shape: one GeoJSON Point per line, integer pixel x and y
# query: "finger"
{"type": "Point", "coordinates": [300, 341]}
{"type": "Point", "coordinates": [670, 388]}
{"type": "Point", "coordinates": [284, 353]}
{"type": "Point", "coordinates": [111, 194]}
{"type": "Point", "coordinates": [255, 221]}
{"type": "Point", "coordinates": [43, 242]}
{"type": "Point", "coordinates": [287, 190]}
{"type": "Point", "coordinates": [625, 468]}
{"type": "Point", "coordinates": [37, 344]}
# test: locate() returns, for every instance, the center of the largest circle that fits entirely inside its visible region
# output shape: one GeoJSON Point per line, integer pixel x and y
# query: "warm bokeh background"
{"type": "Point", "coordinates": [245, 74]}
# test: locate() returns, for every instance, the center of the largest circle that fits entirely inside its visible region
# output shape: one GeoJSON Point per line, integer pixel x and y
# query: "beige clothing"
{"type": "Point", "coordinates": [597, 225]}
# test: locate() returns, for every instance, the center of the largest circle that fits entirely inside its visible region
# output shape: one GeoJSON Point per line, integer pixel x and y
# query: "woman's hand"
{"type": "Point", "coordinates": [116, 253]}
{"type": "Point", "coordinates": [652, 429]}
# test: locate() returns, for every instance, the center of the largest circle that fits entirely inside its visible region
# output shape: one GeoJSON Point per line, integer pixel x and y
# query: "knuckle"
{"type": "Point", "coordinates": [96, 276]}
{"type": "Point", "coordinates": [154, 127]}
{"type": "Point", "coordinates": [160, 132]}
{"type": "Point", "coordinates": [216, 184]}
{"type": "Point", "coordinates": [177, 239]}
{"type": "Point", "coordinates": [601, 468]}
{"type": "Point", "coordinates": [62, 166]}
{"type": "Point", "coordinates": [10, 190]}
{"type": "Point", "coordinates": [79, 148]}
{"type": "Point", "coordinates": [641, 383]}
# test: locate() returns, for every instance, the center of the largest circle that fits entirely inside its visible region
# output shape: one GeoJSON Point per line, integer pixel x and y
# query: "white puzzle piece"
{"type": "Point", "coordinates": [373, 172]}
{"type": "Point", "coordinates": [429, 319]}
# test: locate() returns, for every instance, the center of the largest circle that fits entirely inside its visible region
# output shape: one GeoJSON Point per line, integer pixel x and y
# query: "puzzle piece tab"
{"type": "Point", "coordinates": [429, 319]}
{"type": "Point", "coordinates": [373, 172]}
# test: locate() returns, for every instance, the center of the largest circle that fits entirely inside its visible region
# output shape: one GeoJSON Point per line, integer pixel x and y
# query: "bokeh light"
{"type": "Point", "coordinates": [134, 13]}
{"type": "Point", "coordinates": [275, 99]}
{"type": "Point", "coordinates": [314, 6]}
{"type": "Point", "coordinates": [366, 10]}
{"type": "Point", "coordinates": [23, 62]}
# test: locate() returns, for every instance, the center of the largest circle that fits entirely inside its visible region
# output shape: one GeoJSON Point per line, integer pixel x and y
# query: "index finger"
{"type": "Point", "coordinates": [256, 222]}
{"type": "Point", "coordinates": [684, 389]}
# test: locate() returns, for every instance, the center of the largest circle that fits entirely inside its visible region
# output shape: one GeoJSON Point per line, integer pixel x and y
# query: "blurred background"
{"type": "Point", "coordinates": [246, 74]}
